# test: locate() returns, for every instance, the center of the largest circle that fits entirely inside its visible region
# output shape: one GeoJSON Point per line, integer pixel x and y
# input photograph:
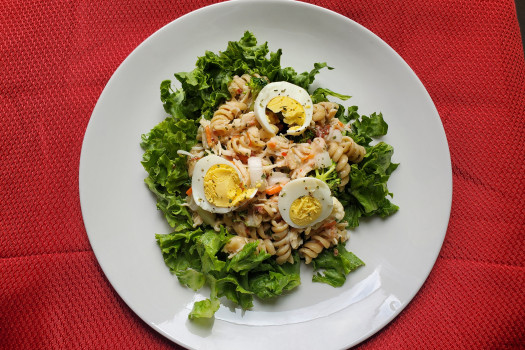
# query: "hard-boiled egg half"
{"type": "Point", "coordinates": [304, 202]}
{"type": "Point", "coordinates": [286, 101]}
{"type": "Point", "coordinates": [217, 185]}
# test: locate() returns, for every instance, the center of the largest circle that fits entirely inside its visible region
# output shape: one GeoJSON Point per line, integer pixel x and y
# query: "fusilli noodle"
{"type": "Point", "coordinates": [354, 151]}
{"type": "Point", "coordinates": [337, 153]}
{"type": "Point", "coordinates": [281, 242]}
{"type": "Point", "coordinates": [225, 114]}
{"type": "Point", "coordinates": [324, 111]}
{"type": "Point", "coordinates": [322, 239]}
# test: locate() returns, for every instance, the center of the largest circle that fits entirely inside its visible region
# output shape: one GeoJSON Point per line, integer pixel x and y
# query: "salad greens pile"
{"type": "Point", "coordinates": [195, 255]}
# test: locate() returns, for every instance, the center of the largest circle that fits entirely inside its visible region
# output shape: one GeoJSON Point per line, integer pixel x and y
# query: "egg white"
{"type": "Point", "coordinates": [306, 186]}
{"type": "Point", "coordinates": [197, 183]}
{"type": "Point", "coordinates": [282, 88]}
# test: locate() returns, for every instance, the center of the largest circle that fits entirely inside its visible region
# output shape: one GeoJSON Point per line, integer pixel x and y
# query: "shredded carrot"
{"type": "Point", "coordinates": [272, 144]}
{"type": "Point", "coordinates": [189, 191]}
{"type": "Point", "coordinates": [310, 156]}
{"type": "Point", "coordinates": [208, 135]}
{"type": "Point", "coordinates": [341, 124]}
{"type": "Point", "coordinates": [273, 189]}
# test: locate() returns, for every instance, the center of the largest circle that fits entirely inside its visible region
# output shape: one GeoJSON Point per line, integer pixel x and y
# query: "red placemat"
{"type": "Point", "coordinates": [56, 57]}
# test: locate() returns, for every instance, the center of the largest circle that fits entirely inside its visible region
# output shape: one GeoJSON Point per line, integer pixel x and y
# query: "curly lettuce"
{"type": "Point", "coordinates": [334, 264]}
{"type": "Point", "coordinates": [367, 193]}
{"type": "Point", "coordinates": [194, 255]}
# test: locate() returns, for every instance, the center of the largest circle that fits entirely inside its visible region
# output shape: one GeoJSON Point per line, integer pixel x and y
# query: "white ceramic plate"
{"type": "Point", "coordinates": [121, 218]}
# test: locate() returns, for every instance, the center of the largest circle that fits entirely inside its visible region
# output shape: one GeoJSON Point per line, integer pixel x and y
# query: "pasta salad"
{"type": "Point", "coordinates": [256, 174]}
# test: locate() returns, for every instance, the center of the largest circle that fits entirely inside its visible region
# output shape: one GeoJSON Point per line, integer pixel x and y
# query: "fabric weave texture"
{"type": "Point", "coordinates": [57, 56]}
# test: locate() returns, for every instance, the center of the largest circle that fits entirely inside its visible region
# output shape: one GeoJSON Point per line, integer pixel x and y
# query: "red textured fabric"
{"type": "Point", "coordinates": [56, 57]}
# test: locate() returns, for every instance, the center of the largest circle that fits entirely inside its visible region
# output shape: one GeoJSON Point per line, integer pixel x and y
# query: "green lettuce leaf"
{"type": "Point", "coordinates": [167, 171]}
{"type": "Point", "coordinates": [178, 249]}
{"type": "Point", "coordinates": [256, 85]}
{"type": "Point", "coordinates": [368, 180]}
{"type": "Point", "coordinates": [321, 95]}
{"type": "Point", "coordinates": [195, 257]}
{"type": "Point", "coordinates": [373, 126]}
{"type": "Point", "coordinates": [351, 114]}
{"type": "Point", "coordinates": [364, 128]}
{"type": "Point", "coordinates": [247, 259]}
{"type": "Point", "coordinates": [273, 279]}
{"type": "Point", "coordinates": [204, 309]}
{"type": "Point", "coordinates": [333, 265]}
{"type": "Point", "coordinates": [235, 288]}
{"type": "Point", "coordinates": [366, 193]}
{"type": "Point", "coordinates": [304, 79]}
{"type": "Point", "coordinates": [208, 245]}
{"type": "Point", "coordinates": [192, 278]}
{"type": "Point", "coordinates": [208, 307]}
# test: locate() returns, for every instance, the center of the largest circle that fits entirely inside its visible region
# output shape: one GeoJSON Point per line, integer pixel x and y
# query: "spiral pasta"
{"type": "Point", "coordinates": [344, 152]}
{"type": "Point", "coordinates": [281, 242]}
{"type": "Point", "coordinates": [267, 246]}
{"type": "Point", "coordinates": [240, 145]}
{"type": "Point", "coordinates": [238, 87]}
{"type": "Point", "coordinates": [324, 111]}
{"type": "Point", "coordinates": [196, 218]}
{"type": "Point", "coordinates": [354, 151]}
{"type": "Point", "coordinates": [268, 209]}
{"type": "Point", "coordinates": [311, 249]}
{"type": "Point", "coordinates": [322, 239]}
{"type": "Point", "coordinates": [337, 153]}
{"type": "Point", "coordinates": [225, 114]}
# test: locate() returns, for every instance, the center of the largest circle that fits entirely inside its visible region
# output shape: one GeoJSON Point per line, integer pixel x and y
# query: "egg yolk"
{"type": "Point", "coordinates": [305, 210]}
{"type": "Point", "coordinates": [292, 111]}
{"type": "Point", "coordinates": [223, 187]}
